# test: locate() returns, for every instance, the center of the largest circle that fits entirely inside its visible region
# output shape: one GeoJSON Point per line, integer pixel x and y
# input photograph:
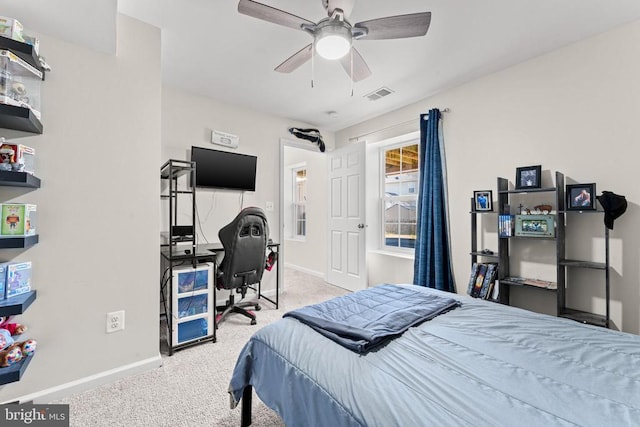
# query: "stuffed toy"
{"type": "Point", "coordinates": [13, 328]}
{"type": "Point", "coordinates": [10, 355]}
{"type": "Point", "coordinates": [12, 351]}
{"type": "Point", "coordinates": [16, 352]}
{"type": "Point", "coordinates": [6, 339]}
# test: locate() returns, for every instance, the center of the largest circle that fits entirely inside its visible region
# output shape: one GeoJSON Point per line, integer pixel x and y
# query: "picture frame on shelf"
{"type": "Point", "coordinates": [581, 197]}
{"type": "Point", "coordinates": [528, 177]}
{"type": "Point", "coordinates": [535, 225]}
{"type": "Point", "coordinates": [483, 201]}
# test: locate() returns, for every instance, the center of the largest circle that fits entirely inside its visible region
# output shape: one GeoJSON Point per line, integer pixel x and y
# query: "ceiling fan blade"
{"type": "Point", "coordinates": [360, 68]}
{"type": "Point", "coordinates": [396, 27]}
{"type": "Point", "coordinates": [271, 14]}
{"type": "Point", "coordinates": [345, 5]}
{"type": "Point", "coordinates": [295, 60]}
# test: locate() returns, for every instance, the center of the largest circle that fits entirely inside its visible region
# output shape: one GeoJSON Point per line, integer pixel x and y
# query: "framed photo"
{"type": "Point", "coordinates": [528, 177]}
{"type": "Point", "coordinates": [483, 201]}
{"type": "Point", "coordinates": [581, 197]}
{"type": "Point", "coordinates": [535, 225]}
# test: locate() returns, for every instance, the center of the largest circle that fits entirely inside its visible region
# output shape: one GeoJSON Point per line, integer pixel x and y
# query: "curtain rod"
{"type": "Point", "coordinates": [444, 110]}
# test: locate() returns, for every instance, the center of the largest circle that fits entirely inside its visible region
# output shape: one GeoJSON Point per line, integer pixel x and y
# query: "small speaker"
{"type": "Point", "coordinates": [182, 230]}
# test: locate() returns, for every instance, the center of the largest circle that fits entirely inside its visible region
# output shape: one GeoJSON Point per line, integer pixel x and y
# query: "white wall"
{"type": "Point", "coordinates": [98, 213]}
{"type": "Point", "coordinates": [188, 120]}
{"type": "Point", "coordinates": [308, 255]}
{"type": "Point", "coordinates": [574, 110]}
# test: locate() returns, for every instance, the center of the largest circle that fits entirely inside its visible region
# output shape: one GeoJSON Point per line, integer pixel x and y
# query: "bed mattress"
{"type": "Point", "coordinates": [480, 364]}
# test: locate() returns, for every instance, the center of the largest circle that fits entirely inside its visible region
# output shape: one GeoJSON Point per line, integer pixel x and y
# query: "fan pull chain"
{"type": "Point", "coordinates": [351, 53]}
{"type": "Point", "coordinates": [313, 62]}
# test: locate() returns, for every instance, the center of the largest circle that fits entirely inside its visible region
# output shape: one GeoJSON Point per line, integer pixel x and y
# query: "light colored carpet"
{"type": "Point", "coordinates": [190, 389]}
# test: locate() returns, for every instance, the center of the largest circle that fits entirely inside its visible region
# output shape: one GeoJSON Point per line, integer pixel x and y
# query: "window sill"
{"type": "Point", "coordinates": [397, 254]}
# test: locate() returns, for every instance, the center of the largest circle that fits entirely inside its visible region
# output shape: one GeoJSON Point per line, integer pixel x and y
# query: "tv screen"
{"type": "Point", "coordinates": [222, 169]}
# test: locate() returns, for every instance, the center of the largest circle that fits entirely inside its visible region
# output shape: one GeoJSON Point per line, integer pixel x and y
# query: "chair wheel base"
{"type": "Point", "coordinates": [258, 308]}
{"type": "Point", "coordinates": [253, 322]}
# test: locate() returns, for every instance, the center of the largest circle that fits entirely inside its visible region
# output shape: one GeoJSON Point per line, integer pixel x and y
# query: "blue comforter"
{"type": "Point", "coordinates": [482, 364]}
{"type": "Point", "coordinates": [364, 320]}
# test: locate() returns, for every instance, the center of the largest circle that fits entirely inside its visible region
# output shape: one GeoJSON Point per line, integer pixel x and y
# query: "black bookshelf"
{"type": "Point", "coordinates": [19, 118]}
{"type": "Point", "coordinates": [18, 242]}
{"type": "Point", "coordinates": [14, 372]}
{"type": "Point", "coordinates": [18, 179]}
{"type": "Point", "coordinates": [24, 51]}
{"type": "Point", "coordinates": [18, 304]}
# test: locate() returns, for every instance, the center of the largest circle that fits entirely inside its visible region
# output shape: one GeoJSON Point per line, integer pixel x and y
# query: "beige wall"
{"type": "Point", "coordinates": [188, 120]}
{"type": "Point", "coordinates": [98, 214]}
{"type": "Point", "coordinates": [574, 110]}
{"type": "Point", "coordinates": [308, 255]}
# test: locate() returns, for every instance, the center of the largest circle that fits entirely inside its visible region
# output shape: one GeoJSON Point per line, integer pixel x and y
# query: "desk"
{"type": "Point", "coordinates": [216, 248]}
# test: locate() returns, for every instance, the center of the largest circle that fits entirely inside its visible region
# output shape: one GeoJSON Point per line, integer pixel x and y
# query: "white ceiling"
{"type": "Point", "coordinates": [210, 49]}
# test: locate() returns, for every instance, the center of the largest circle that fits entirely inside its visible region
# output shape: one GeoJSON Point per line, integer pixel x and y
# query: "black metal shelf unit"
{"type": "Point", "coordinates": [504, 276]}
{"type": "Point", "coordinates": [179, 246]}
{"type": "Point", "coordinates": [564, 264]}
{"type": "Point", "coordinates": [475, 253]}
{"type": "Point", "coordinates": [173, 171]}
{"type": "Point", "coordinates": [506, 282]}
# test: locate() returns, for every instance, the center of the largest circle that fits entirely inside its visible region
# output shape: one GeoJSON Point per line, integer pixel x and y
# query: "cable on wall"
{"type": "Point", "coordinates": [200, 223]}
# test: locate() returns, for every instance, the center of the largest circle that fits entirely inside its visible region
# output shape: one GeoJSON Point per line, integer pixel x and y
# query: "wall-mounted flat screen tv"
{"type": "Point", "coordinates": [225, 170]}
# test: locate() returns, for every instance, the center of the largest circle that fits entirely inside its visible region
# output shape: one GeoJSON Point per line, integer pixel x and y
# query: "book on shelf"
{"type": "Point", "coordinates": [472, 278]}
{"type": "Point", "coordinates": [505, 225]}
{"type": "Point", "coordinates": [495, 292]}
{"type": "Point", "coordinates": [482, 270]}
{"type": "Point", "coordinates": [533, 282]}
{"type": "Point", "coordinates": [489, 278]}
{"type": "Point", "coordinates": [482, 280]}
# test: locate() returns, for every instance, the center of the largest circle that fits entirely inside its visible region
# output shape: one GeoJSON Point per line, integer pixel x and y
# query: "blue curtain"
{"type": "Point", "coordinates": [432, 262]}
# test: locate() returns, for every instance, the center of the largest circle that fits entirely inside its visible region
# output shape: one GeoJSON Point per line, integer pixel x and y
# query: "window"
{"type": "Point", "coordinates": [400, 195]}
{"type": "Point", "coordinates": [300, 202]}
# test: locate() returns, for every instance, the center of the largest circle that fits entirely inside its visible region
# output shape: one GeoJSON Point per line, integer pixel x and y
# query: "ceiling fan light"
{"type": "Point", "coordinates": [333, 42]}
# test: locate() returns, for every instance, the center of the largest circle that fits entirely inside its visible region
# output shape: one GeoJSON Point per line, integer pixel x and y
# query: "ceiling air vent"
{"type": "Point", "coordinates": [379, 93]}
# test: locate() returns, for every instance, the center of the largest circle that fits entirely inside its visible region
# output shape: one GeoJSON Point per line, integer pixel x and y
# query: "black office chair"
{"type": "Point", "coordinates": [244, 241]}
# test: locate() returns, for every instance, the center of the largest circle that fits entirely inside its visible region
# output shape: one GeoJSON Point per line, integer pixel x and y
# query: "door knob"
{"type": "Point", "coordinates": [360, 225]}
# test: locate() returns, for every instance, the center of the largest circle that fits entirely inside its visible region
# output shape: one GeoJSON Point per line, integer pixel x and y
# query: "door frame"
{"type": "Point", "coordinates": [290, 143]}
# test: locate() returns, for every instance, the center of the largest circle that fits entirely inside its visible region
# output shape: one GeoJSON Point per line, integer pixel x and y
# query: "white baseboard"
{"type": "Point", "coordinates": [92, 381]}
{"type": "Point", "coordinates": [306, 271]}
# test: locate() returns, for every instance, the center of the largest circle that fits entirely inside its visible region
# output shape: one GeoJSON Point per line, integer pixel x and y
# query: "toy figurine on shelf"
{"type": "Point", "coordinates": [12, 352]}
{"type": "Point", "coordinates": [16, 352]}
{"type": "Point", "coordinates": [13, 328]}
{"type": "Point", "coordinates": [16, 157]}
{"type": "Point", "coordinates": [6, 154]}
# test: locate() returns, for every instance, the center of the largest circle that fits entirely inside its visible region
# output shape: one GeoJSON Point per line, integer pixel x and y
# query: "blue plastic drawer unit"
{"type": "Point", "coordinates": [192, 303]}
{"type": "Point", "coordinates": [192, 330]}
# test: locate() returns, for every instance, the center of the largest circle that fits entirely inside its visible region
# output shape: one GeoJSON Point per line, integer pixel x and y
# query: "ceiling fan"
{"type": "Point", "coordinates": [333, 36]}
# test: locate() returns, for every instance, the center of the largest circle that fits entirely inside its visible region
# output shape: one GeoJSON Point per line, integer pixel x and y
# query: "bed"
{"type": "Point", "coordinates": [479, 363]}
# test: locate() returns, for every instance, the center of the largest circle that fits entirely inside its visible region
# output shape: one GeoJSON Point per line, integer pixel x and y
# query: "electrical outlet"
{"type": "Point", "coordinates": [269, 206]}
{"type": "Point", "coordinates": [115, 321]}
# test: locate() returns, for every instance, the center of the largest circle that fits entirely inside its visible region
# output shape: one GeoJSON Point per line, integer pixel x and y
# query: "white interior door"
{"type": "Point", "coordinates": [346, 222]}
